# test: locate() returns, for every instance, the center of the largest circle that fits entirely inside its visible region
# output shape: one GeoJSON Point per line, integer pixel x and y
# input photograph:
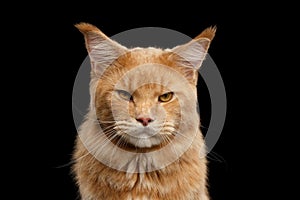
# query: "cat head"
{"type": "Point", "coordinates": [144, 97]}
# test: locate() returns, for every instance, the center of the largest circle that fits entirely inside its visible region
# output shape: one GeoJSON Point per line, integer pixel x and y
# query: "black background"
{"type": "Point", "coordinates": [58, 49]}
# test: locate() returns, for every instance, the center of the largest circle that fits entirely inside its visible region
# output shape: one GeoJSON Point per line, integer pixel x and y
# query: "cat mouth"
{"type": "Point", "coordinates": [140, 139]}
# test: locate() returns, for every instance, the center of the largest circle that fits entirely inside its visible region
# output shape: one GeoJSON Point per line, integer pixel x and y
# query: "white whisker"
{"type": "Point", "coordinates": [180, 134]}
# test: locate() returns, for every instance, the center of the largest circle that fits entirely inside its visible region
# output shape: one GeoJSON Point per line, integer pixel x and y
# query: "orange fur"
{"type": "Point", "coordinates": [185, 178]}
{"type": "Point", "coordinates": [208, 33]}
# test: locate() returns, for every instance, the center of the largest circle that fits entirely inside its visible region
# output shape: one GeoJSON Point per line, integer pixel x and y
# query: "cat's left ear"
{"type": "Point", "coordinates": [102, 50]}
{"type": "Point", "coordinates": [192, 54]}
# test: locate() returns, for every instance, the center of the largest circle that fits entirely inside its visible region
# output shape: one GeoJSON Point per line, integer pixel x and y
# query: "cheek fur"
{"type": "Point", "coordinates": [172, 110]}
{"type": "Point", "coordinates": [103, 110]}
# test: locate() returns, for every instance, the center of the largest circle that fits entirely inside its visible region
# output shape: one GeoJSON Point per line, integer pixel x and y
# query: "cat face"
{"type": "Point", "coordinates": [143, 105]}
{"type": "Point", "coordinates": [142, 96]}
{"type": "Point", "coordinates": [147, 117]}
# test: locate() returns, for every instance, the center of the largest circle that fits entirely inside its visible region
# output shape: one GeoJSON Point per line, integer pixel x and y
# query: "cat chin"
{"type": "Point", "coordinates": [144, 142]}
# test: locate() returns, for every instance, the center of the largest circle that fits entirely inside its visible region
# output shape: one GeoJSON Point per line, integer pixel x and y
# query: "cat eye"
{"type": "Point", "coordinates": [166, 97]}
{"type": "Point", "coordinates": [125, 95]}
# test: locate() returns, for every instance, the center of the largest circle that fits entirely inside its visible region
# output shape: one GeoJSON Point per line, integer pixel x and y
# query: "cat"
{"type": "Point", "coordinates": [141, 138]}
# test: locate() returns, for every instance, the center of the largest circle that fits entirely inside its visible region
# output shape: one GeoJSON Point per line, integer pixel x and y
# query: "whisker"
{"type": "Point", "coordinates": [172, 145]}
{"type": "Point", "coordinates": [164, 140]}
{"type": "Point", "coordinates": [107, 134]}
{"type": "Point", "coordinates": [204, 127]}
{"type": "Point", "coordinates": [99, 139]}
{"type": "Point", "coordinates": [83, 156]}
{"type": "Point", "coordinates": [216, 157]}
{"type": "Point", "coordinates": [107, 121]}
{"type": "Point", "coordinates": [102, 122]}
{"type": "Point", "coordinates": [123, 141]}
{"type": "Point", "coordinates": [178, 133]}
{"type": "Point", "coordinates": [114, 151]}
{"type": "Point", "coordinates": [108, 127]}
{"type": "Point", "coordinates": [69, 163]}
{"type": "Point", "coordinates": [99, 142]}
{"type": "Point", "coordinates": [169, 129]}
{"type": "Point", "coordinates": [101, 149]}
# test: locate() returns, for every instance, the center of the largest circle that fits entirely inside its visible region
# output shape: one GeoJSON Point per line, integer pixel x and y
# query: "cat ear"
{"type": "Point", "coordinates": [192, 54]}
{"type": "Point", "coordinates": [102, 50]}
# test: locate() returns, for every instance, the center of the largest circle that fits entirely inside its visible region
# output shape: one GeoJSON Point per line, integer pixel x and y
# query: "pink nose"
{"type": "Point", "coordinates": [145, 121]}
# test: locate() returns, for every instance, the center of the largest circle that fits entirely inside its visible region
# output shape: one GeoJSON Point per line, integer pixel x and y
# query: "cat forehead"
{"type": "Point", "coordinates": [161, 75]}
{"type": "Point", "coordinates": [138, 56]}
{"type": "Point", "coordinates": [146, 56]}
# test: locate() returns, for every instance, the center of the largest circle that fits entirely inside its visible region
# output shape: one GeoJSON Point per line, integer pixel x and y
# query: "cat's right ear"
{"type": "Point", "coordinates": [192, 54]}
{"type": "Point", "coordinates": [102, 50]}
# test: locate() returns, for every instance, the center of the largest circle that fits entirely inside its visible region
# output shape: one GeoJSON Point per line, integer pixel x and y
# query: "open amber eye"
{"type": "Point", "coordinates": [166, 97]}
{"type": "Point", "coordinates": [124, 95]}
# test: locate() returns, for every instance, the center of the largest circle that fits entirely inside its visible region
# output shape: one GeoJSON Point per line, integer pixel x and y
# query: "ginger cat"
{"type": "Point", "coordinates": [140, 139]}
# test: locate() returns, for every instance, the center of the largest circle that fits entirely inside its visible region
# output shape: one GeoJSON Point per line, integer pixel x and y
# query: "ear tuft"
{"type": "Point", "coordinates": [208, 33]}
{"type": "Point", "coordinates": [86, 27]}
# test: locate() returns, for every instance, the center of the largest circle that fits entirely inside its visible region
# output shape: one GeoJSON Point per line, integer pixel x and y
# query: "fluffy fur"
{"type": "Point", "coordinates": [116, 157]}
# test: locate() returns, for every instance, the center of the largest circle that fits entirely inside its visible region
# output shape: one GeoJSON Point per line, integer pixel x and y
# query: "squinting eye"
{"type": "Point", "coordinates": [124, 95]}
{"type": "Point", "coordinates": [166, 97]}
